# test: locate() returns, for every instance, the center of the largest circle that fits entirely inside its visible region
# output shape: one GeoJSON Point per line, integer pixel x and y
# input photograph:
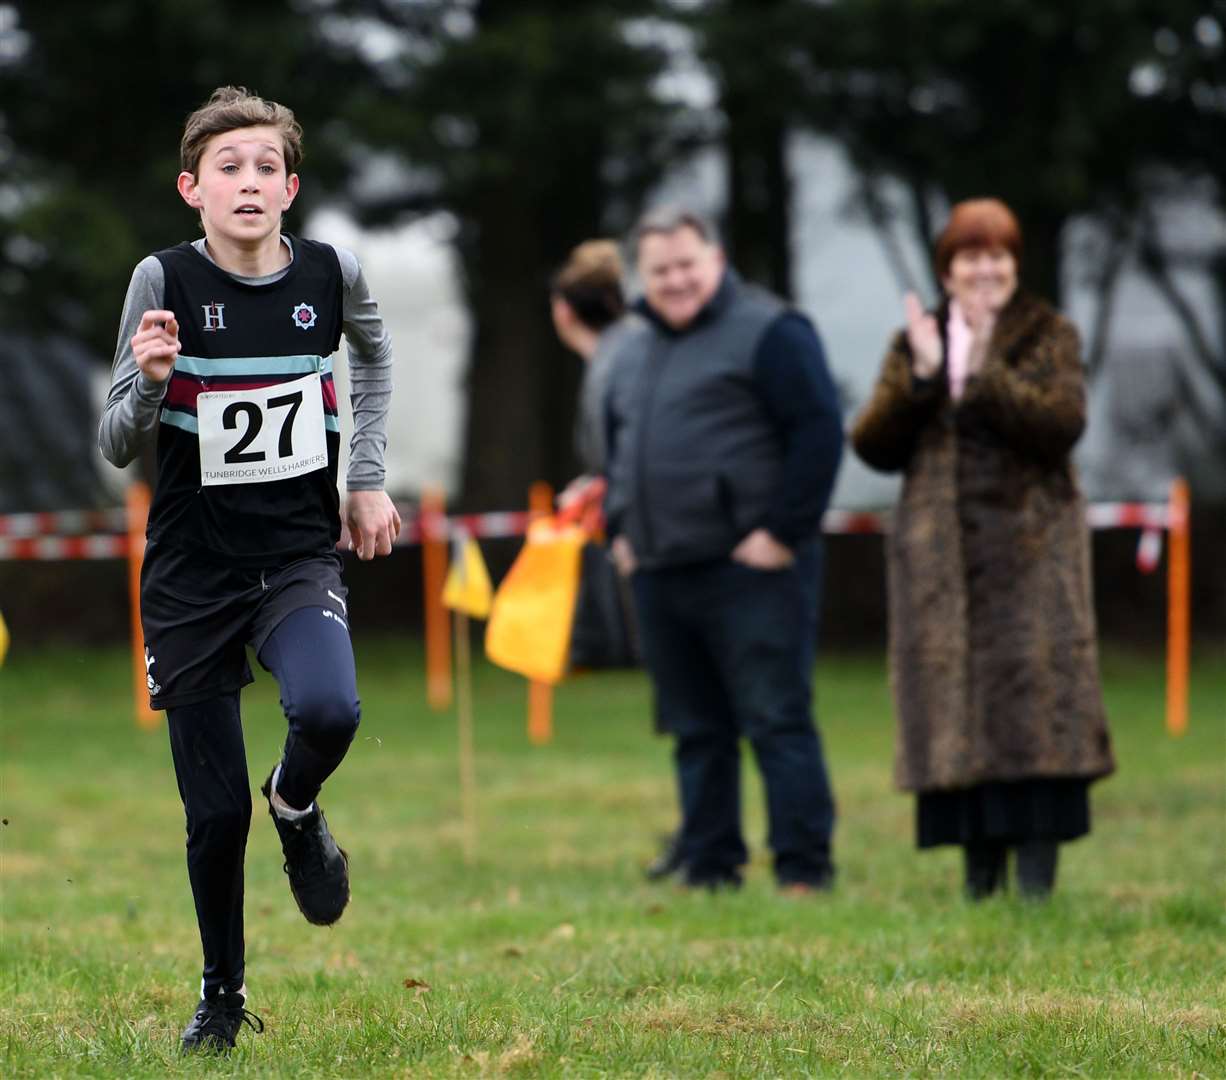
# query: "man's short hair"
{"type": "Point", "coordinates": [233, 107]}
{"type": "Point", "coordinates": [668, 219]}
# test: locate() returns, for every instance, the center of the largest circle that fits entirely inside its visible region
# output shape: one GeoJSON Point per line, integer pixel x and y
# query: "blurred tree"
{"type": "Point", "coordinates": [1064, 110]}
{"type": "Point", "coordinates": [537, 123]}
{"type": "Point", "coordinates": [1061, 109]}
{"type": "Point", "coordinates": [534, 123]}
{"type": "Point", "coordinates": [93, 95]}
{"type": "Point", "coordinates": [742, 43]}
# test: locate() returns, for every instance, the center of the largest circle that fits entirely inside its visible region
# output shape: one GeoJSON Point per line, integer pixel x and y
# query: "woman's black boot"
{"type": "Point", "coordinates": [985, 869]}
{"type": "Point", "coordinates": [1036, 869]}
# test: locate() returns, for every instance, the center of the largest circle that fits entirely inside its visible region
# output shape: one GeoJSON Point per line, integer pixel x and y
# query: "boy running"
{"type": "Point", "coordinates": [224, 361]}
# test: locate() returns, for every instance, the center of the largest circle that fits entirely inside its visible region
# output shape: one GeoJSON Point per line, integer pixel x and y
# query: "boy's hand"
{"type": "Point", "coordinates": [373, 523]}
{"type": "Point", "coordinates": [156, 344]}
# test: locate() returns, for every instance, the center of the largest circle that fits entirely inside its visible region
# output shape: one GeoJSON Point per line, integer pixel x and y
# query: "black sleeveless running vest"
{"type": "Point", "coordinates": [239, 336]}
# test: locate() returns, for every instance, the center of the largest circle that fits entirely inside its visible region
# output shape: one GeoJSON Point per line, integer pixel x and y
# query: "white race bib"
{"type": "Point", "coordinates": [253, 436]}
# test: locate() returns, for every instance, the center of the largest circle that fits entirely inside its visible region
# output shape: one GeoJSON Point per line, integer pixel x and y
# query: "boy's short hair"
{"type": "Point", "coordinates": [233, 107]}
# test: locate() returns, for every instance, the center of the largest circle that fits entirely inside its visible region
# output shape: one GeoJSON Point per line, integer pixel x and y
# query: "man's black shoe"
{"type": "Point", "coordinates": [668, 862]}
{"type": "Point", "coordinates": [711, 881]}
{"type": "Point", "coordinates": [215, 1026]}
{"type": "Point", "coordinates": [318, 870]}
{"type": "Point", "coordinates": [801, 887]}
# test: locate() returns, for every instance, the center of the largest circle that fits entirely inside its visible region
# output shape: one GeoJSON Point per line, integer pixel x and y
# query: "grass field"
{"type": "Point", "coordinates": [550, 955]}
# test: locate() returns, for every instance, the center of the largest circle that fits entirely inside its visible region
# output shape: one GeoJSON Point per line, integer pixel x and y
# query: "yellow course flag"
{"type": "Point", "coordinates": [529, 628]}
{"type": "Point", "coordinates": [467, 587]}
{"type": "Point", "coordinates": [4, 640]}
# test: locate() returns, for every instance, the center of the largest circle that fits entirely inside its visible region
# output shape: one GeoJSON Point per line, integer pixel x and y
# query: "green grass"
{"type": "Point", "coordinates": [550, 955]}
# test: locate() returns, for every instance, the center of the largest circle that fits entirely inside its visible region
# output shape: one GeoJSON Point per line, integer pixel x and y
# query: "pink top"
{"type": "Point", "coordinates": [959, 336]}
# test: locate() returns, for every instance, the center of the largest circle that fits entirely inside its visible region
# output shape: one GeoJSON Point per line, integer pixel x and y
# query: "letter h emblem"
{"type": "Point", "coordinates": [214, 316]}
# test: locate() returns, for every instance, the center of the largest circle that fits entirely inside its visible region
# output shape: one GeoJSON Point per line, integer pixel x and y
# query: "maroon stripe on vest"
{"type": "Point", "coordinates": [184, 389]}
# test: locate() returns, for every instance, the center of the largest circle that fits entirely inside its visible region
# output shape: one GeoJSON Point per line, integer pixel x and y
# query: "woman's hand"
{"type": "Point", "coordinates": [924, 338]}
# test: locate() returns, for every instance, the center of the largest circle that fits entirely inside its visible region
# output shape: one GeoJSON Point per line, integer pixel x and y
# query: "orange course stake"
{"type": "Point", "coordinates": [433, 573]}
{"type": "Point", "coordinates": [1179, 611]}
{"type": "Point", "coordinates": [137, 501]}
{"type": "Point", "coordinates": [540, 694]}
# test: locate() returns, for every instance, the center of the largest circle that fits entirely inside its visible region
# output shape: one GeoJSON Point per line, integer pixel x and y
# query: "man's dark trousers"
{"type": "Point", "coordinates": [731, 652]}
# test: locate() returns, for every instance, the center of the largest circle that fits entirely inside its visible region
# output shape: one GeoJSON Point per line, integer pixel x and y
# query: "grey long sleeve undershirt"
{"type": "Point", "coordinates": [130, 415]}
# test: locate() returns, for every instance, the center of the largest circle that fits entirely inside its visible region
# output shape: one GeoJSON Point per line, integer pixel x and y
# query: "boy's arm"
{"type": "Point", "coordinates": [371, 516]}
{"type": "Point", "coordinates": [130, 414]}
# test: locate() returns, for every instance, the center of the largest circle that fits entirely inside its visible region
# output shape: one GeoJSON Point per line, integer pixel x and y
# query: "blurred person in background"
{"type": "Point", "coordinates": [724, 440]}
{"type": "Point", "coordinates": [588, 309]}
{"type": "Point", "coordinates": [587, 305]}
{"type": "Point", "coordinates": [993, 657]}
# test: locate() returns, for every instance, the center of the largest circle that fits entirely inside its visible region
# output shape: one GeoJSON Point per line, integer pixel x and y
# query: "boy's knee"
{"type": "Point", "coordinates": [330, 718]}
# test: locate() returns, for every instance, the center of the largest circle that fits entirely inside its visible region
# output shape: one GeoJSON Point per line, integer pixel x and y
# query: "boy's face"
{"type": "Point", "coordinates": [241, 187]}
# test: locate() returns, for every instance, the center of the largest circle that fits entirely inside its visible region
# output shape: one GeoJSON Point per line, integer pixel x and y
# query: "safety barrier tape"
{"type": "Point", "coordinates": [96, 534]}
{"type": "Point", "coordinates": [57, 548]}
{"type": "Point", "coordinates": [63, 523]}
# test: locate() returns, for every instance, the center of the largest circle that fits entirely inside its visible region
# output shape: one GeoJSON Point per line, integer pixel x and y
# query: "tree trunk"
{"type": "Point", "coordinates": [756, 102]}
{"type": "Point", "coordinates": [1042, 253]}
{"type": "Point", "coordinates": [882, 221]}
{"type": "Point", "coordinates": [521, 383]}
{"type": "Point", "coordinates": [759, 198]}
{"type": "Point", "coordinates": [1156, 266]}
{"type": "Point", "coordinates": [1112, 264]}
{"type": "Point", "coordinates": [917, 188]}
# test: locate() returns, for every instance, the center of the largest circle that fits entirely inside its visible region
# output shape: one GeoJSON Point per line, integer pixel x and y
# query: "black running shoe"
{"type": "Point", "coordinates": [215, 1026]}
{"type": "Point", "coordinates": [318, 870]}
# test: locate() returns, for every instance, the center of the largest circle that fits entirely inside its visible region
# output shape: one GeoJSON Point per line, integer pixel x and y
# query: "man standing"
{"type": "Point", "coordinates": [725, 438]}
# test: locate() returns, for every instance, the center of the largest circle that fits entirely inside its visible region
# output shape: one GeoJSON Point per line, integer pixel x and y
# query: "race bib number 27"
{"type": "Point", "coordinates": [254, 436]}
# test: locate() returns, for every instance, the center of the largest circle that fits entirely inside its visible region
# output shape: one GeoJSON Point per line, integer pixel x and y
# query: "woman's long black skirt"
{"type": "Point", "coordinates": [1011, 813]}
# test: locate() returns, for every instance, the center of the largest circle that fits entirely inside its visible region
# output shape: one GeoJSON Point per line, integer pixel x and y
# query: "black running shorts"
{"type": "Point", "coordinates": [198, 617]}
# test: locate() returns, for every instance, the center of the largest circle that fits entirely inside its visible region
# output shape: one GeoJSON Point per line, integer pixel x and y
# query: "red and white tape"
{"type": "Point", "coordinates": [63, 523]}
{"type": "Point", "coordinates": [98, 534]}
{"type": "Point", "coordinates": [57, 548]}
{"type": "Point", "coordinates": [1117, 515]}
{"type": "Point", "coordinates": [494, 525]}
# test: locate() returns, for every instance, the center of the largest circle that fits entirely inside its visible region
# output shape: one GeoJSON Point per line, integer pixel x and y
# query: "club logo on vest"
{"type": "Point", "coordinates": [214, 316]}
{"type": "Point", "coordinates": [304, 316]}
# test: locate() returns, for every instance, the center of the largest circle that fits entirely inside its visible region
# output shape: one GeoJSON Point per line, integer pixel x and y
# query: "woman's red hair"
{"type": "Point", "coordinates": [978, 223]}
